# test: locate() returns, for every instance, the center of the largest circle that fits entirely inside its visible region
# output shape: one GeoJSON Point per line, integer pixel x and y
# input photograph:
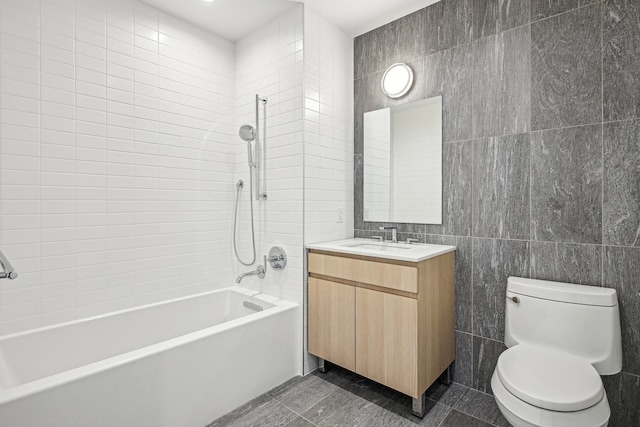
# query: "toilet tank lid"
{"type": "Point", "coordinates": [563, 292]}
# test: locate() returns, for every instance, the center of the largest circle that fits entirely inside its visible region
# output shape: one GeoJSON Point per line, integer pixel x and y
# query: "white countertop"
{"type": "Point", "coordinates": [373, 248]}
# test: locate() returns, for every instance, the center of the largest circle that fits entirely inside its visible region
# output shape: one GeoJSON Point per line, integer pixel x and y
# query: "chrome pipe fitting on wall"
{"type": "Point", "coordinates": [277, 260]}
{"type": "Point", "coordinates": [260, 271]}
{"type": "Point", "coordinates": [8, 272]}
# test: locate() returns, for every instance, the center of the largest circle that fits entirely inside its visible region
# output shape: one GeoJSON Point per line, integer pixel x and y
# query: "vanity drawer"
{"type": "Point", "coordinates": [393, 276]}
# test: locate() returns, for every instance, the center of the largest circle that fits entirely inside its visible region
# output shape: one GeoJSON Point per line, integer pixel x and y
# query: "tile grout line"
{"type": "Point", "coordinates": [75, 83]}
{"type": "Point", "coordinates": [237, 411]}
{"type": "Point", "coordinates": [517, 240]}
{"type": "Point", "coordinates": [473, 95]}
{"type": "Point", "coordinates": [602, 142]}
{"type": "Point", "coordinates": [1, 150]}
{"type": "Point", "coordinates": [468, 415]}
{"type": "Point", "coordinates": [566, 11]}
{"type": "Point", "coordinates": [535, 131]}
{"type": "Point", "coordinates": [530, 22]}
{"type": "Point", "coordinates": [316, 403]}
{"type": "Point", "coordinates": [450, 408]}
{"type": "Point", "coordinates": [446, 416]}
{"type": "Point", "coordinates": [530, 139]}
{"type": "Point", "coordinates": [295, 412]}
{"type": "Point", "coordinates": [453, 407]}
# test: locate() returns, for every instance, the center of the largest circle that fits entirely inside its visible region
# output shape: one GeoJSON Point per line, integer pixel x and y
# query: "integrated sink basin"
{"type": "Point", "coordinates": [372, 248]}
{"type": "Point", "coordinates": [380, 247]}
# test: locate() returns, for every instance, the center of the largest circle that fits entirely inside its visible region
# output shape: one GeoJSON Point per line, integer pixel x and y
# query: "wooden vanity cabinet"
{"type": "Point", "coordinates": [332, 314]}
{"type": "Point", "coordinates": [390, 321]}
{"type": "Point", "coordinates": [386, 339]}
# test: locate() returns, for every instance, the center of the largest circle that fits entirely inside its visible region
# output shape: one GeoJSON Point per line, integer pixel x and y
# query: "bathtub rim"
{"type": "Point", "coordinates": [43, 384]}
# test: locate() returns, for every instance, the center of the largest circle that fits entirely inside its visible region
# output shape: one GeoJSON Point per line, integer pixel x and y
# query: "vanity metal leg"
{"type": "Point", "coordinates": [321, 366]}
{"type": "Point", "coordinates": [445, 378]}
{"type": "Point", "coordinates": [419, 406]}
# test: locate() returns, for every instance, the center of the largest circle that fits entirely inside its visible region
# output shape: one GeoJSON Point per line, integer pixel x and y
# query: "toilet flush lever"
{"type": "Point", "coordinates": [516, 300]}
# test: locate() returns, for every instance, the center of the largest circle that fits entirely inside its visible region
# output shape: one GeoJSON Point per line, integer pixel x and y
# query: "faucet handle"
{"type": "Point", "coordinates": [277, 258]}
{"type": "Point", "coordinates": [394, 233]}
{"type": "Point", "coordinates": [411, 241]}
{"type": "Point", "coordinates": [262, 269]}
{"type": "Point", "coordinates": [380, 238]}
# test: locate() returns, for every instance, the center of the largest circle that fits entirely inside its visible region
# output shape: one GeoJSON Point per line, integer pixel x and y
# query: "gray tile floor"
{"type": "Point", "coordinates": [341, 398]}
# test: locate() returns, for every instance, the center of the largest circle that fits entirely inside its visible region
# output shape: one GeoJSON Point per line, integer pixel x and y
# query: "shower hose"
{"type": "Point", "coordinates": [239, 186]}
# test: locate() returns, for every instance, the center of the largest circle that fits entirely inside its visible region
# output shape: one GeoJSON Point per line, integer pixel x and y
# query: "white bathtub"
{"type": "Point", "coordinates": [179, 363]}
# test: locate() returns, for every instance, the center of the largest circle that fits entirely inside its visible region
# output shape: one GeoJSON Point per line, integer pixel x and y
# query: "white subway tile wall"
{"type": "Point", "coordinates": [328, 138]}
{"type": "Point", "coordinates": [117, 144]}
{"type": "Point", "coordinates": [119, 154]}
{"type": "Point", "coordinates": [269, 62]}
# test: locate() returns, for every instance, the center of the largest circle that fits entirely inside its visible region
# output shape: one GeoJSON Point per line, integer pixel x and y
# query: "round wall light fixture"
{"type": "Point", "coordinates": [397, 80]}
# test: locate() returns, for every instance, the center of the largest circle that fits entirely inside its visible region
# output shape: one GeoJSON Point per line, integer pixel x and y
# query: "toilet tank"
{"type": "Point", "coordinates": [580, 320]}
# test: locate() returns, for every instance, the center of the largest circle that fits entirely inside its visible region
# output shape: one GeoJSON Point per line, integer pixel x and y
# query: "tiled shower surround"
{"type": "Point", "coordinates": [116, 136]}
{"type": "Point", "coordinates": [541, 157]}
{"type": "Point", "coordinates": [119, 153]}
{"type": "Point", "coordinates": [328, 140]}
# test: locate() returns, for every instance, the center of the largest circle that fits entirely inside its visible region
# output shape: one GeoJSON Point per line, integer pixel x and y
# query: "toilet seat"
{"type": "Point", "coordinates": [549, 379]}
{"type": "Point", "coordinates": [521, 414]}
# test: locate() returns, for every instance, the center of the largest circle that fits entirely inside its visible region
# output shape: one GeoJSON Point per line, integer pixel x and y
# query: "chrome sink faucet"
{"type": "Point", "coordinates": [394, 233]}
{"type": "Point", "coordinates": [260, 271]}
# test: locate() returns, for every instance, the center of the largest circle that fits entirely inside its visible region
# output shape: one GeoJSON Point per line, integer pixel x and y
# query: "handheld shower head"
{"type": "Point", "coordinates": [247, 133]}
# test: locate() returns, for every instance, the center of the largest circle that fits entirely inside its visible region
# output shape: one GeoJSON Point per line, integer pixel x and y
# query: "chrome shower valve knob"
{"type": "Point", "coordinates": [277, 258]}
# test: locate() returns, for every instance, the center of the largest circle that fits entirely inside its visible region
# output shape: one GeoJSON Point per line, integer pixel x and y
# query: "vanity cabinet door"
{"type": "Point", "coordinates": [332, 322]}
{"type": "Point", "coordinates": [386, 339]}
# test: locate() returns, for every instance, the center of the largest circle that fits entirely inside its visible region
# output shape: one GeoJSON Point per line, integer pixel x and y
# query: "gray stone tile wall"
{"type": "Point", "coordinates": [621, 46]}
{"type": "Point", "coordinates": [567, 262]}
{"type": "Point", "coordinates": [566, 69]}
{"type": "Point", "coordinates": [541, 157]}
{"type": "Point", "coordinates": [501, 187]}
{"type": "Point", "coordinates": [621, 206]}
{"type": "Point", "coordinates": [494, 16]}
{"type": "Point", "coordinates": [566, 185]}
{"type": "Point", "coordinates": [545, 8]}
{"type": "Point", "coordinates": [501, 88]}
{"type": "Point", "coordinates": [494, 261]}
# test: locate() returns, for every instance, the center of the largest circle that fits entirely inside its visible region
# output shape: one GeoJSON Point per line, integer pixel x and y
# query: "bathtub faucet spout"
{"type": "Point", "coordinates": [6, 269]}
{"type": "Point", "coordinates": [260, 271]}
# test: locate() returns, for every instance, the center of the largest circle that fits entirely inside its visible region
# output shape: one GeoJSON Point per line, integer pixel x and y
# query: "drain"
{"type": "Point", "coordinates": [252, 306]}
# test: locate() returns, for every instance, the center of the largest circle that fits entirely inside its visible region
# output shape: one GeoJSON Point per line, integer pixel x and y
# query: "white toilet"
{"type": "Point", "coordinates": [561, 338]}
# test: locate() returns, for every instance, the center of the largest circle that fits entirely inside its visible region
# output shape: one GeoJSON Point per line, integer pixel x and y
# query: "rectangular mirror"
{"type": "Point", "coordinates": [403, 163]}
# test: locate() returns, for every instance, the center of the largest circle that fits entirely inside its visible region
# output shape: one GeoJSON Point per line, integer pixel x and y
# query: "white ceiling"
{"type": "Point", "coordinates": [357, 17]}
{"type": "Point", "coordinates": [231, 19]}
{"type": "Point", "coordinates": [234, 19]}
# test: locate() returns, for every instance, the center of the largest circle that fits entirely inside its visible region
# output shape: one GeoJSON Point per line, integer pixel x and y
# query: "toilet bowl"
{"type": "Point", "coordinates": [561, 337]}
{"type": "Point", "coordinates": [535, 386]}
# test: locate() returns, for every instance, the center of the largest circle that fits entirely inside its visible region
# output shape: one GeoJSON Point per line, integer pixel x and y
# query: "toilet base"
{"type": "Point", "coordinates": [512, 418]}
{"type": "Point", "coordinates": [522, 414]}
